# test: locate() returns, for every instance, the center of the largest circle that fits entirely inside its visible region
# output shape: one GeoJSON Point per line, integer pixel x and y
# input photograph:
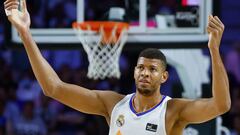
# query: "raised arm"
{"type": "Point", "coordinates": [82, 99]}
{"type": "Point", "coordinates": [202, 110]}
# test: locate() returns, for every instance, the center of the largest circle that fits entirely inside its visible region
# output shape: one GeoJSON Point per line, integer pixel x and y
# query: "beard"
{"type": "Point", "coordinates": [146, 92]}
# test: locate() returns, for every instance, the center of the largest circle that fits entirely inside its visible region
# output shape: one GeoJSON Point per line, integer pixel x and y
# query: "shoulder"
{"type": "Point", "coordinates": [177, 104]}
{"type": "Point", "coordinates": [125, 100]}
{"type": "Point", "coordinates": [113, 94]}
{"type": "Point", "coordinates": [109, 98]}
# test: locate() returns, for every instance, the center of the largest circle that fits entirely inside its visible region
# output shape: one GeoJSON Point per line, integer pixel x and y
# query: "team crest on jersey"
{"type": "Point", "coordinates": [120, 120]}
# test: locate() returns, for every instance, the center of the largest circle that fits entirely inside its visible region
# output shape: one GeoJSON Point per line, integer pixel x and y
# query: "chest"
{"type": "Point", "coordinates": [125, 122]}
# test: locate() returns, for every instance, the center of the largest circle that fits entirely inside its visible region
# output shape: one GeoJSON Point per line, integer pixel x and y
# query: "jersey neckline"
{"type": "Point", "coordinates": [145, 112]}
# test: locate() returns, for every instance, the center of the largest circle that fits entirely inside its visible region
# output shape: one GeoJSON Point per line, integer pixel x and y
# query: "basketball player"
{"type": "Point", "coordinates": [145, 112]}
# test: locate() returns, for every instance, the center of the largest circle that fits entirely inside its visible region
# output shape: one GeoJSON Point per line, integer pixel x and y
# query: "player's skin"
{"type": "Point", "coordinates": [149, 75]}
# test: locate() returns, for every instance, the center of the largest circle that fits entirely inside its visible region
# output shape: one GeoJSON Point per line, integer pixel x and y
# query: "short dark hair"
{"type": "Point", "coordinates": [153, 53]}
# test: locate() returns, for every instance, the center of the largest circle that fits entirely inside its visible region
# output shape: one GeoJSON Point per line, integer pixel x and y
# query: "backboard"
{"type": "Point", "coordinates": [150, 21]}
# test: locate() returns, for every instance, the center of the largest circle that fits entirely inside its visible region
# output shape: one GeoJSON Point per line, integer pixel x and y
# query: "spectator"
{"type": "Point", "coordinates": [28, 87]}
{"type": "Point", "coordinates": [48, 110]}
{"type": "Point", "coordinates": [28, 123]}
{"type": "Point", "coordinates": [70, 122]}
{"type": "Point", "coordinates": [12, 110]}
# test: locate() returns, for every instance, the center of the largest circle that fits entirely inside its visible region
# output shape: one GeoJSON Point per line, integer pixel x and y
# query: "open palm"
{"type": "Point", "coordinates": [20, 19]}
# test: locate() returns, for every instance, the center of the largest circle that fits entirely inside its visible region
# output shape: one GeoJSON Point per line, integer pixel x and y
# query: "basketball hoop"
{"type": "Point", "coordinates": [103, 41]}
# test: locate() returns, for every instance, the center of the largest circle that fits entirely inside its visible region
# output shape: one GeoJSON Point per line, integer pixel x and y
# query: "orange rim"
{"type": "Point", "coordinates": [106, 26]}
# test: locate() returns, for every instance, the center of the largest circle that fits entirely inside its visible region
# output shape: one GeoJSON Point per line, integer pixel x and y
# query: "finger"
{"type": "Point", "coordinates": [8, 10]}
{"type": "Point", "coordinates": [209, 17]}
{"type": "Point", "coordinates": [12, 7]}
{"type": "Point", "coordinates": [220, 22]}
{"type": "Point", "coordinates": [210, 30]}
{"type": "Point", "coordinates": [214, 20]}
{"type": "Point", "coordinates": [213, 25]}
{"type": "Point", "coordinates": [217, 23]}
{"type": "Point", "coordinates": [8, 4]}
{"type": "Point", "coordinates": [10, 1]}
{"type": "Point", "coordinates": [24, 5]}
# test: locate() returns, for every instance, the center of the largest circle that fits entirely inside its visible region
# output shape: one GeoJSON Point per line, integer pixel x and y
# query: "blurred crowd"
{"type": "Point", "coordinates": [232, 63]}
{"type": "Point", "coordinates": [24, 110]}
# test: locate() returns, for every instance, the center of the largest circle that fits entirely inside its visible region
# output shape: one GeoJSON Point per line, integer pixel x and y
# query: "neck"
{"type": "Point", "coordinates": [143, 103]}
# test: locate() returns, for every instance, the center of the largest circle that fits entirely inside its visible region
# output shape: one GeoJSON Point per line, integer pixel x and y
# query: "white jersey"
{"type": "Point", "coordinates": [126, 121]}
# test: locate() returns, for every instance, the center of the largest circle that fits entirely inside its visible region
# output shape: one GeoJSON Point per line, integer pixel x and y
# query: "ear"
{"type": "Point", "coordinates": [135, 72]}
{"type": "Point", "coordinates": [164, 77]}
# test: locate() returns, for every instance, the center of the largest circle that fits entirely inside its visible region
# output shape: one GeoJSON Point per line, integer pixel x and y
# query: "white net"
{"type": "Point", "coordinates": [103, 57]}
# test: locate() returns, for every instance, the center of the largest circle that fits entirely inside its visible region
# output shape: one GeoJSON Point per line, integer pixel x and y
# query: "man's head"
{"type": "Point", "coordinates": [150, 71]}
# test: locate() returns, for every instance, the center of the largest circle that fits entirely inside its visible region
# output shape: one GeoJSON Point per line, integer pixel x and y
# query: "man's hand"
{"type": "Point", "coordinates": [215, 30]}
{"type": "Point", "coordinates": [19, 19]}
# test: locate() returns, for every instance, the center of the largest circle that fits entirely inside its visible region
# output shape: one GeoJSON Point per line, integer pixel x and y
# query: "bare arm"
{"type": "Point", "coordinates": [79, 98]}
{"type": "Point", "coordinates": [202, 110]}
